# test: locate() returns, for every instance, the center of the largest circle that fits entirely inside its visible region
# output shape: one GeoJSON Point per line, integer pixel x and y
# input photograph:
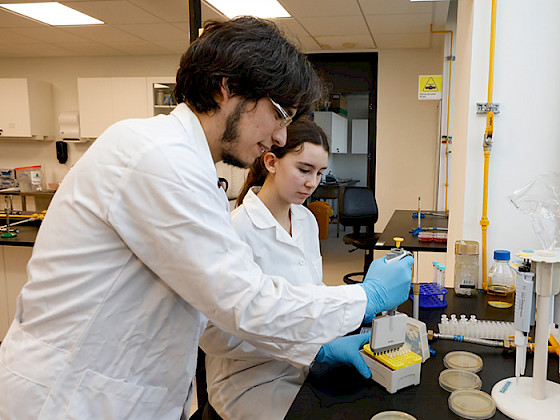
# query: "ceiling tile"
{"type": "Point", "coordinates": [291, 27]}
{"type": "Point", "coordinates": [399, 24]}
{"type": "Point", "coordinates": [142, 48]}
{"type": "Point", "coordinates": [383, 7]}
{"type": "Point", "coordinates": [48, 34]}
{"type": "Point", "coordinates": [167, 10]}
{"type": "Point", "coordinates": [11, 20]}
{"type": "Point", "coordinates": [35, 49]}
{"type": "Point", "coordinates": [173, 47]}
{"type": "Point", "coordinates": [345, 42]}
{"type": "Point", "coordinates": [402, 40]}
{"type": "Point", "coordinates": [299, 8]}
{"type": "Point", "coordinates": [308, 44]}
{"type": "Point", "coordinates": [11, 37]}
{"type": "Point", "coordinates": [344, 25]}
{"type": "Point", "coordinates": [115, 12]}
{"type": "Point", "coordinates": [154, 31]}
{"type": "Point", "coordinates": [102, 33]}
{"type": "Point", "coordinates": [90, 49]}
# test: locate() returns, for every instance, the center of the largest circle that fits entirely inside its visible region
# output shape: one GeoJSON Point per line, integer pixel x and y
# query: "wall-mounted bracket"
{"type": "Point", "coordinates": [484, 107]}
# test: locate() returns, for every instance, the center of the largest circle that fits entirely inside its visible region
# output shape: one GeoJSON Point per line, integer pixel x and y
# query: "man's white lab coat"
{"type": "Point", "coordinates": [135, 253]}
{"type": "Point", "coordinates": [244, 382]}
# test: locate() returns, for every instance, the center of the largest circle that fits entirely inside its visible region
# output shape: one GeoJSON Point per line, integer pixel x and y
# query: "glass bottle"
{"type": "Point", "coordinates": [501, 281]}
{"type": "Point", "coordinates": [466, 268]}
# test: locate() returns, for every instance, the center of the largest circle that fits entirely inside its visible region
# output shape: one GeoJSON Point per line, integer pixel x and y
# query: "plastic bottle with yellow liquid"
{"type": "Point", "coordinates": [501, 281]}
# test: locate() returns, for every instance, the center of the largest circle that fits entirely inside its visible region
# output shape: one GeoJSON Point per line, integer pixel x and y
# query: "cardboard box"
{"type": "Point", "coordinates": [338, 104]}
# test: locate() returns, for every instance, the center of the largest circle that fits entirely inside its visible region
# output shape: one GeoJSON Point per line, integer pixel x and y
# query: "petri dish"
{"type": "Point", "coordinates": [472, 404]}
{"type": "Point", "coordinates": [463, 360]}
{"type": "Point", "coordinates": [453, 379]}
{"type": "Point", "coordinates": [393, 415]}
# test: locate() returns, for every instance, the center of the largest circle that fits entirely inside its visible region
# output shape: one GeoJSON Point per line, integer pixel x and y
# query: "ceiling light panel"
{"type": "Point", "coordinates": [52, 13]}
{"type": "Point", "coordinates": [258, 8]}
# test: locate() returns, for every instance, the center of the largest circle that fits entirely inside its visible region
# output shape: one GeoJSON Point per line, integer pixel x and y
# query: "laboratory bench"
{"type": "Point", "coordinates": [340, 392]}
{"type": "Point", "coordinates": [27, 231]}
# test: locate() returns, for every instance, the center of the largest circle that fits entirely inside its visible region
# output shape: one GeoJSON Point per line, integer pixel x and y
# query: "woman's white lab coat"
{"type": "Point", "coordinates": [244, 382]}
{"type": "Point", "coordinates": [135, 253]}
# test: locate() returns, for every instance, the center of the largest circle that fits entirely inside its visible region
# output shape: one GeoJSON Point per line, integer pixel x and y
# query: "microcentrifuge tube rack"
{"type": "Point", "coordinates": [475, 328]}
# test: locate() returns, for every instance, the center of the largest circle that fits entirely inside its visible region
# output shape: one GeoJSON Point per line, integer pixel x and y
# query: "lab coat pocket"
{"type": "Point", "coordinates": [100, 397]}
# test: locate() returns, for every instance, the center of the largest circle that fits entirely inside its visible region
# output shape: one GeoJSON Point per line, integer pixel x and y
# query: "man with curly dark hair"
{"type": "Point", "coordinates": [137, 250]}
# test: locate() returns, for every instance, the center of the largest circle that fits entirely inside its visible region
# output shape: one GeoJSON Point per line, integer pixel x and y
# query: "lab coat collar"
{"type": "Point", "coordinates": [191, 123]}
{"type": "Point", "coordinates": [262, 218]}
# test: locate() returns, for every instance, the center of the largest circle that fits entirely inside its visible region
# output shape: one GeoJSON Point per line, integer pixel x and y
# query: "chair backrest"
{"type": "Point", "coordinates": [357, 207]}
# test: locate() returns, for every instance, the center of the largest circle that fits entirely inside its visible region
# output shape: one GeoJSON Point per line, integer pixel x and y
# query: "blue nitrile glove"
{"type": "Point", "coordinates": [346, 350]}
{"type": "Point", "coordinates": [386, 285]}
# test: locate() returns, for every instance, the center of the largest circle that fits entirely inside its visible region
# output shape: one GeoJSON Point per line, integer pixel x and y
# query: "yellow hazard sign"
{"type": "Point", "coordinates": [429, 87]}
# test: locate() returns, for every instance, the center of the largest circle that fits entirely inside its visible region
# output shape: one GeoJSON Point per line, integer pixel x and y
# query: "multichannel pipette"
{"type": "Point", "coordinates": [388, 331]}
{"type": "Point", "coordinates": [524, 312]}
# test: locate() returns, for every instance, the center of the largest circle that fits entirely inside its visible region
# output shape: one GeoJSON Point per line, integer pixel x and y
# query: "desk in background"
{"type": "Point", "coordinates": [340, 392]}
{"type": "Point", "coordinates": [330, 191]}
{"type": "Point", "coordinates": [400, 224]}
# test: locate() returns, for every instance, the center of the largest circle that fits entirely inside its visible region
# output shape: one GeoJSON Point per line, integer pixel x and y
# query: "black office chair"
{"type": "Point", "coordinates": [356, 208]}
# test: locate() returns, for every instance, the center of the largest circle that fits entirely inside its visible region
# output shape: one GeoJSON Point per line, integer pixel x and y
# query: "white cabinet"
{"type": "Point", "coordinates": [105, 100]}
{"type": "Point", "coordinates": [360, 136]}
{"type": "Point", "coordinates": [160, 95]}
{"type": "Point", "coordinates": [26, 109]}
{"type": "Point", "coordinates": [336, 129]}
{"type": "Point", "coordinates": [13, 275]}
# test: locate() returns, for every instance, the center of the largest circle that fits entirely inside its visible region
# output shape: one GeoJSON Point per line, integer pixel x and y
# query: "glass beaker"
{"type": "Point", "coordinates": [501, 281]}
{"type": "Point", "coordinates": [466, 268]}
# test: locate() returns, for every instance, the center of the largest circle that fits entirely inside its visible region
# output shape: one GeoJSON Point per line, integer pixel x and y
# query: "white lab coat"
{"type": "Point", "coordinates": [135, 253]}
{"type": "Point", "coordinates": [244, 382]}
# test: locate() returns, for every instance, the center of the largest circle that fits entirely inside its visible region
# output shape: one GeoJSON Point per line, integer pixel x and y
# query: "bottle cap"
{"type": "Point", "coordinates": [501, 255]}
{"type": "Point", "coordinates": [463, 360]}
{"type": "Point", "coordinates": [453, 379]}
{"type": "Point", "coordinates": [393, 415]}
{"type": "Point", "coordinates": [472, 404]}
{"type": "Point", "coordinates": [466, 247]}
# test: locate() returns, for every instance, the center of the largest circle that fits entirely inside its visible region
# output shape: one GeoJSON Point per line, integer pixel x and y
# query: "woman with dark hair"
{"type": "Point", "coordinates": [244, 382]}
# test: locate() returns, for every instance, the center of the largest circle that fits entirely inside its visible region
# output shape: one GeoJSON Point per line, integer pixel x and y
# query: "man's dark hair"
{"type": "Point", "coordinates": [255, 57]}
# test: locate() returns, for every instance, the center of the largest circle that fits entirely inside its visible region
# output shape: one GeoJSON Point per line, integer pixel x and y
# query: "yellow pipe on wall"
{"type": "Point", "coordinates": [487, 144]}
{"type": "Point", "coordinates": [447, 125]}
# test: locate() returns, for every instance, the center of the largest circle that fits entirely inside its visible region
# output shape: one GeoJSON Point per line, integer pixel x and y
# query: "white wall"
{"type": "Point", "coordinates": [527, 65]}
{"type": "Point", "coordinates": [407, 132]}
{"type": "Point", "coordinates": [62, 73]}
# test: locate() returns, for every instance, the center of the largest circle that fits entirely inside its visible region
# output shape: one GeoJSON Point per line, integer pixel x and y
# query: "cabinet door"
{"type": "Point", "coordinates": [336, 128]}
{"type": "Point", "coordinates": [15, 269]}
{"type": "Point", "coordinates": [129, 98]}
{"type": "Point", "coordinates": [339, 134]}
{"type": "Point", "coordinates": [95, 105]}
{"type": "Point", "coordinates": [14, 108]}
{"type": "Point", "coordinates": [359, 136]}
{"type": "Point", "coordinates": [4, 317]}
{"type": "Point", "coordinates": [105, 100]}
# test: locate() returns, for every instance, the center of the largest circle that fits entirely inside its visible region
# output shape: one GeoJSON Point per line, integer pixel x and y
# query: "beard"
{"type": "Point", "coordinates": [230, 138]}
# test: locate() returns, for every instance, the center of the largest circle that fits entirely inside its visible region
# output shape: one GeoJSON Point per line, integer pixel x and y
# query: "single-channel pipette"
{"type": "Point", "coordinates": [524, 311]}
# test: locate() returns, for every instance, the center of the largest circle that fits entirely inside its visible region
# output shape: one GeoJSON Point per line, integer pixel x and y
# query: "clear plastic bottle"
{"type": "Point", "coordinates": [466, 268]}
{"type": "Point", "coordinates": [501, 281]}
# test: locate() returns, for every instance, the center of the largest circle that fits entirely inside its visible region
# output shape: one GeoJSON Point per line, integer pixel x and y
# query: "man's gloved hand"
{"type": "Point", "coordinates": [346, 350]}
{"type": "Point", "coordinates": [386, 285]}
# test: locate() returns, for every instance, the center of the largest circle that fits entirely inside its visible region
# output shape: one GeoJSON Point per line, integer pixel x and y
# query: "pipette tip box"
{"type": "Point", "coordinates": [406, 370]}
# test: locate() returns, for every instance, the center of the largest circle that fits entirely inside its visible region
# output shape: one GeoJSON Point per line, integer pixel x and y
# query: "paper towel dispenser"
{"type": "Point", "coordinates": [69, 127]}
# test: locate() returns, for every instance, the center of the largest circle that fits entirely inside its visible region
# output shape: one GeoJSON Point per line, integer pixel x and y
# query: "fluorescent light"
{"type": "Point", "coordinates": [52, 13]}
{"type": "Point", "coordinates": [257, 8]}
